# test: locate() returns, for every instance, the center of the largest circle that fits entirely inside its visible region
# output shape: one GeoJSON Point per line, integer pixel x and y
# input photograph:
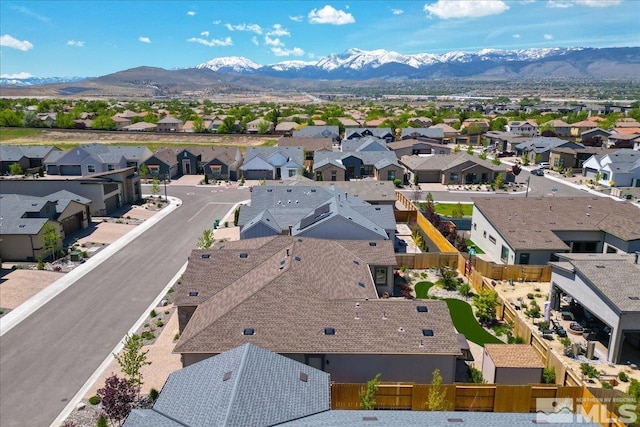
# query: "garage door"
{"type": "Point", "coordinates": [111, 203]}
{"type": "Point", "coordinates": [70, 170]}
{"type": "Point", "coordinates": [257, 174]}
{"type": "Point", "coordinates": [72, 224]}
{"type": "Point", "coordinates": [429, 176]}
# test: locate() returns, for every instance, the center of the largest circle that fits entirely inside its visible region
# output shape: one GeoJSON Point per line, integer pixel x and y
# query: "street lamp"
{"type": "Point", "coordinates": [527, 192]}
{"type": "Point", "coordinates": [166, 199]}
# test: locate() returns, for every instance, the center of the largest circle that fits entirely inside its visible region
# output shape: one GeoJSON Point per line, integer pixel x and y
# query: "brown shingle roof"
{"type": "Point", "coordinates": [513, 356]}
{"type": "Point", "coordinates": [532, 223]}
{"type": "Point", "coordinates": [289, 300]}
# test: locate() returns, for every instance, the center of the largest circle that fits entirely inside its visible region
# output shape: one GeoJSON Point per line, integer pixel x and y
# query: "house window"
{"type": "Point", "coordinates": [292, 172]}
{"type": "Point", "coordinates": [91, 168]}
{"type": "Point", "coordinates": [381, 276]}
{"type": "Point", "coordinates": [524, 258]}
{"type": "Point", "coordinates": [504, 254]}
{"type": "Point", "coordinates": [492, 239]}
{"type": "Point", "coordinates": [334, 176]}
{"type": "Point", "coordinates": [319, 176]}
{"type": "Point", "coordinates": [605, 176]}
{"type": "Point", "coordinates": [154, 170]}
{"type": "Point", "coordinates": [453, 177]}
{"type": "Point", "coordinates": [391, 175]}
{"type": "Point", "coordinates": [111, 167]}
{"type": "Point", "coordinates": [484, 234]}
{"type": "Point", "coordinates": [367, 170]}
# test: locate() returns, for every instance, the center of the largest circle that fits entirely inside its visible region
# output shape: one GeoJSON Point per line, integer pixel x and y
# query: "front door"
{"type": "Point", "coordinates": [186, 167]}
{"type": "Point", "coordinates": [351, 171]}
{"type": "Point", "coordinates": [315, 361]}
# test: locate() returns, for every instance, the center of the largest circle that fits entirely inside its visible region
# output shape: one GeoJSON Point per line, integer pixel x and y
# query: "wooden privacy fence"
{"type": "Point", "coordinates": [426, 260]}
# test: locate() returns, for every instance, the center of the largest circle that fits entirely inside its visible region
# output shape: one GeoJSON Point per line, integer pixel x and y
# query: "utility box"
{"type": "Point", "coordinates": [76, 256]}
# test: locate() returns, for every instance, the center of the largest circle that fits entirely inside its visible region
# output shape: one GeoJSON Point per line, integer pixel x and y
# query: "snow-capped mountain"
{"type": "Point", "coordinates": [380, 63]}
{"type": "Point", "coordinates": [31, 81]}
{"type": "Point", "coordinates": [226, 64]}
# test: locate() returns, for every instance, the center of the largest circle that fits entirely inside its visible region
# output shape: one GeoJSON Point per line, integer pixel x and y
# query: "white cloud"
{"type": "Point", "coordinates": [278, 51]}
{"type": "Point", "coordinates": [29, 12]}
{"type": "Point", "coordinates": [213, 42]}
{"type": "Point", "coordinates": [254, 28]}
{"type": "Point", "coordinates": [217, 22]}
{"type": "Point", "coordinates": [272, 42]}
{"type": "Point", "coordinates": [598, 3]}
{"type": "Point", "coordinates": [191, 13]}
{"type": "Point", "coordinates": [297, 18]}
{"type": "Point", "coordinates": [76, 43]}
{"type": "Point", "coordinates": [516, 36]}
{"type": "Point", "coordinates": [205, 34]}
{"type": "Point", "coordinates": [397, 11]}
{"type": "Point", "coordinates": [18, 76]}
{"type": "Point", "coordinates": [311, 55]}
{"type": "Point", "coordinates": [559, 4]}
{"type": "Point", "coordinates": [330, 15]}
{"type": "Point", "coordinates": [278, 30]}
{"type": "Point", "coordinates": [548, 37]}
{"type": "Point", "coordinates": [450, 9]}
{"type": "Point", "coordinates": [10, 41]}
{"type": "Point", "coordinates": [144, 39]}
{"type": "Point", "coordinates": [255, 41]}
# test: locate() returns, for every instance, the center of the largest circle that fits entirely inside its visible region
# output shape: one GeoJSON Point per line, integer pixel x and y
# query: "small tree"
{"type": "Point", "coordinates": [117, 397]}
{"type": "Point", "coordinates": [40, 263]}
{"type": "Point", "coordinates": [469, 150]}
{"type": "Point", "coordinates": [40, 171]}
{"type": "Point", "coordinates": [132, 359]}
{"type": "Point", "coordinates": [448, 278]}
{"type": "Point", "coordinates": [476, 375]}
{"type": "Point", "coordinates": [457, 148]}
{"type": "Point", "coordinates": [206, 240]}
{"type": "Point", "coordinates": [483, 155]}
{"type": "Point", "coordinates": [367, 402]}
{"type": "Point", "coordinates": [486, 302]}
{"type": "Point", "coordinates": [498, 181]}
{"type": "Point", "coordinates": [51, 237]}
{"type": "Point", "coordinates": [155, 186]}
{"type": "Point", "coordinates": [15, 169]}
{"type": "Point", "coordinates": [144, 170]}
{"type": "Point", "coordinates": [437, 397]}
{"type": "Point", "coordinates": [549, 375]}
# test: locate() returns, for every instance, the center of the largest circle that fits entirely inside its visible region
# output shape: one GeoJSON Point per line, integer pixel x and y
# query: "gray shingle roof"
{"type": "Point", "coordinates": [614, 276]}
{"type": "Point", "coordinates": [262, 389]}
{"type": "Point", "coordinates": [545, 143]}
{"type": "Point", "coordinates": [10, 153]}
{"type": "Point", "coordinates": [443, 162]}
{"type": "Point", "coordinates": [368, 143]}
{"type": "Point", "coordinates": [367, 157]}
{"type": "Point", "coordinates": [370, 191]}
{"type": "Point", "coordinates": [296, 154]}
{"type": "Point", "coordinates": [431, 132]}
{"type": "Point", "coordinates": [317, 132]}
{"type": "Point", "coordinates": [532, 223]}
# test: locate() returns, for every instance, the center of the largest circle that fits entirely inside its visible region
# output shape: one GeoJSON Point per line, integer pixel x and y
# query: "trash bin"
{"type": "Point", "coordinates": [216, 223]}
{"type": "Point", "coordinates": [76, 256]}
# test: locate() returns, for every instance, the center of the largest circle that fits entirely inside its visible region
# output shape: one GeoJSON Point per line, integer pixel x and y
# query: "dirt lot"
{"type": "Point", "coordinates": [83, 137]}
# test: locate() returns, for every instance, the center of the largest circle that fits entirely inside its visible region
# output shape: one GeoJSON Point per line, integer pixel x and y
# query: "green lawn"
{"type": "Point", "coordinates": [447, 209]}
{"type": "Point", "coordinates": [13, 133]}
{"type": "Point", "coordinates": [478, 250]}
{"type": "Point", "coordinates": [422, 289]}
{"type": "Point", "coordinates": [466, 323]}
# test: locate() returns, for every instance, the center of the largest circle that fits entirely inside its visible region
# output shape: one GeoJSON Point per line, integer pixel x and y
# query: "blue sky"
{"type": "Point", "coordinates": [92, 38]}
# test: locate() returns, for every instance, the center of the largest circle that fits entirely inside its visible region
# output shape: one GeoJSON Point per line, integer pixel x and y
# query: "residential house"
{"type": "Point", "coordinates": [309, 145]}
{"type": "Point", "coordinates": [419, 133]}
{"type": "Point", "coordinates": [345, 166]}
{"type": "Point", "coordinates": [318, 132]}
{"type": "Point", "coordinates": [523, 128]}
{"type": "Point", "coordinates": [382, 133]}
{"type": "Point", "coordinates": [310, 211]}
{"type": "Point", "coordinates": [27, 156]}
{"type": "Point", "coordinates": [456, 168]}
{"type": "Point", "coordinates": [47, 119]}
{"type": "Point", "coordinates": [367, 143]}
{"type": "Point", "coordinates": [163, 163]}
{"type": "Point", "coordinates": [253, 126]}
{"type": "Point", "coordinates": [348, 122]}
{"type": "Point", "coordinates": [578, 128]}
{"type": "Point", "coordinates": [169, 124]}
{"type": "Point", "coordinates": [141, 127]}
{"type": "Point", "coordinates": [93, 158]}
{"type": "Point", "coordinates": [272, 162]}
{"type": "Point", "coordinates": [450, 133]}
{"type": "Point", "coordinates": [620, 168]}
{"type": "Point", "coordinates": [534, 230]}
{"type": "Point", "coordinates": [286, 128]}
{"type": "Point", "coordinates": [504, 141]}
{"type": "Point", "coordinates": [624, 140]}
{"type": "Point", "coordinates": [566, 157]}
{"type": "Point", "coordinates": [107, 191]}
{"type": "Point", "coordinates": [420, 122]}
{"type": "Point", "coordinates": [561, 128]}
{"type": "Point", "coordinates": [329, 316]}
{"type": "Point", "coordinates": [511, 364]}
{"type": "Point", "coordinates": [539, 149]}
{"type": "Point", "coordinates": [82, 124]}
{"type": "Point", "coordinates": [121, 122]}
{"type": "Point", "coordinates": [603, 294]}
{"type": "Point", "coordinates": [372, 192]}
{"type": "Point", "coordinates": [425, 146]}
{"type": "Point", "coordinates": [595, 137]}
{"type": "Point", "coordinates": [24, 217]}
{"type": "Point", "coordinates": [215, 162]}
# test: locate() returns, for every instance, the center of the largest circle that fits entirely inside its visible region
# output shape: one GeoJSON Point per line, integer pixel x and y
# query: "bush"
{"type": "Point", "coordinates": [397, 182]}
{"type": "Point", "coordinates": [515, 340]}
{"type": "Point", "coordinates": [148, 335]}
{"type": "Point", "coordinates": [530, 295]}
{"type": "Point", "coordinates": [153, 393]}
{"type": "Point", "coordinates": [153, 313]}
{"type": "Point", "coordinates": [159, 205]}
{"type": "Point", "coordinates": [588, 370]}
{"type": "Point", "coordinates": [606, 385]}
{"type": "Point", "coordinates": [176, 337]}
{"type": "Point", "coordinates": [549, 375]}
{"type": "Point", "coordinates": [167, 312]}
{"type": "Point", "coordinates": [159, 323]}
{"type": "Point", "coordinates": [476, 375]}
{"type": "Point", "coordinates": [622, 376]}
{"type": "Point", "coordinates": [465, 289]}
{"type": "Point", "coordinates": [102, 422]}
{"type": "Point", "coordinates": [534, 310]}
{"type": "Point", "coordinates": [94, 400]}
{"type": "Point", "coordinates": [40, 264]}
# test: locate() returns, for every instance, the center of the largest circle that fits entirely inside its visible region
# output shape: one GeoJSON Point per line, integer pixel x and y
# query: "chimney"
{"type": "Point", "coordinates": [550, 208]}
{"type": "Point", "coordinates": [287, 251]}
{"type": "Point", "coordinates": [290, 228]}
{"type": "Point", "coordinates": [637, 255]}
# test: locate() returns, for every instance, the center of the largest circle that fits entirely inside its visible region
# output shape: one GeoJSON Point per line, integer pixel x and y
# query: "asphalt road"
{"type": "Point", "coordinates": [46, 358]}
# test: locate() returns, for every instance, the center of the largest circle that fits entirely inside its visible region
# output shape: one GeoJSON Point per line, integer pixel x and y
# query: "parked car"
{"type": "Point", "coordinates": [544, 165]}
{"type": "Point", "coordinates": [506, 154]}
{"type": "Point", "coordinates": [537, 172]}
{"type": "Point", "coordinates": [489, 148]}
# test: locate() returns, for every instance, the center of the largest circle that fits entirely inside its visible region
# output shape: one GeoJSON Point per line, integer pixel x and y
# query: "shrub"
{"type": "Point", "coordinates": [534, 310]}
{"type": "Point", "coordinates": [476, 375]}
{"type": "Point", "coordinates": [464, 289]}
{"type": "Point", "coordinates": [102, 422]}
{"type": "Point", "coordinates": [406, 292]}
{"type": "Point", "coordinates": [153, 313]}
{"type": "Point", "coordinates": [588, 370]}
{"type": "Point", "coordinates": [159, 205]}
{"type": "Point", "coordinates": [148, 335]}
{"type": "Point", "coordinates": [530, 296]}
{"type": "Point", "coordinates": [515, 340]}
{"type": "Point", "coordinates": [606, 385]}
{"type": "Point", "coordinates": [167, 312]}
{"type": "Point", "coordinates": [176, 337]}
{"type": "Point", "coordinates": [367, 402]}
{"type": "Point", "coordinates": [153, 393]}
{"type": "Point", "coordinates": [40, 264]}
{"type": "Point", "coordinates": [565, 341]}
{"type": "Point", "coordinates": [159, 323]}
{"type": "Point", "coordinates": [397, 182]}
{"type": "Point", "coordinates": [94, 400]}
{"type": "Point", "coordinates": [549, 375]}
{"type": "Point", "coordinates": [622, 376]}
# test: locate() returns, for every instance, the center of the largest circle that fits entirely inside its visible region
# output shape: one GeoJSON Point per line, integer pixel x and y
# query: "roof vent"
{"type": "Point", "coordinates": [455, 420]}
{"type": "Point", "coordinates": [384, 315]}
{"type": "Point", "coordinates": [422, 309]}
{"type": "Point", "coordinates": [289, 190]}
{"type": "Point", "coordinates": [361, 284]}
{"type": "Point", "coordinates": [226, 376]}
{"type": "Point", "coordinates": [421, 345]}
{"type": "Point", "coordinates": [427, 332]}
{"type": "Point", "coordinates": [329, 331]}
{"type": "Point", "coordinates": [377, 209]}
{"type": "Point", "coordinates": [634, 298]}
{"type": "Point", "coordinates": [313, 190]}
{"type": "Point", "coordinates": [600, 266]}
{"type": "Point", "coordinates": [298, 258]}
{"type": "Point", "coordinates": [244, 255]}
{"type": "Point", "coordinates": [206, 256]}
{"type": "Point", "coordinates": [249, 331]}
{"type": "Point", "coordinates": [357, 304]}
{"type": "Point", "coordinates": [282, 262]}
{"type": "Point", "coordinates": [193, 293]}
{"type": "Point", "coordinates": [373, 244]}
{"type": "Point", "coordinates": [369, 418]}
{"type": "Point", "coordinates": [304, 377]}
{"type": "Point", "coordinates": [356, 262]}
{"type": "Point", "coordinates": [400, 329]}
